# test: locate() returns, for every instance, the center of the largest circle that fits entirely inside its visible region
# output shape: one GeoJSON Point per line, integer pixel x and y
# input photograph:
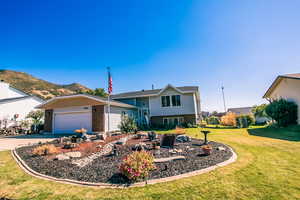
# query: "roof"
{"type": "Point", "coordinates": [278, 80]}
{"type": "Point", "coordinates": [145, 93]}
{"type": "Point", "coordinates": [241, 110]}
{"type": "Point", "coordinates": [96, 98]}
{"type": "Point", "coordinates": [7, 100]}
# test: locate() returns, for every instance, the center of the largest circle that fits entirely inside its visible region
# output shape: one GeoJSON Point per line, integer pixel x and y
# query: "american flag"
{"type": "Point", "coordinates": [110, 88]}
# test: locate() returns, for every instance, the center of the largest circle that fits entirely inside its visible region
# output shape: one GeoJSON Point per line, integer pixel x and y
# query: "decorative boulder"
{"type": "Point", "coordinates": [122, 141]}
{"type": "Point", "coordinates": [220, 148]}
{"type": "Point", "coordinates": [101, 136]}
{"type": "Point", "coordinates": [61, 157]}
{"type": "Point", "coordinates": [75, 154]}
{"type": "Point", "coordinates": [139, 147]}
{"type": "Point", "coordinates": [183, 138]}
{"type": "Point", "coordinates": [152, 135]}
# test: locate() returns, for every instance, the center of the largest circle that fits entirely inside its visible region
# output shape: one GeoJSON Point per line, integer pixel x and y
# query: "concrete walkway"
{"type": "Point", "coordinates": [10, 142]}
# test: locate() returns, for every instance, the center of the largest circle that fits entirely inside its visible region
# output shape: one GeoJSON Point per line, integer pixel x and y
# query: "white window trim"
{"type": "Point", "coordinates": [169, 118]}
{"type": "Point", "coordinates": [171, 104]}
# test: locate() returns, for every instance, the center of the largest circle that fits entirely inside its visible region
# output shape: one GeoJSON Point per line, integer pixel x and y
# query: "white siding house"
{"type": "Point", "coordinates": [15, 105]}
{"type": "Point", "coordinates": [286, 87]}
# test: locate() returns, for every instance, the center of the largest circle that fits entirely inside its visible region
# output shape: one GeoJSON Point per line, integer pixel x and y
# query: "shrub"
{"type": "Point", "coordinates": [244, 121]}
{"type": "Point", "coordinates": [137, 165]}
{"type": "Point", "coordinates": [36, 116]}
{"type": "Point", "coordinates": [283, 112]}
{"type": "Point", "coordinates": [213, 120]}
{"type": "Point", "coordinates": [46, 149]}
{"type": "Point", "coordinates": [229, 119]}
{"type": "Point", "coordinates": [128, 125]}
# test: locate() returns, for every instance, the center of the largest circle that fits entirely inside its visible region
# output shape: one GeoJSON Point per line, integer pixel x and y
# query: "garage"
{"type": "Point", "coordinates": [68, 122]}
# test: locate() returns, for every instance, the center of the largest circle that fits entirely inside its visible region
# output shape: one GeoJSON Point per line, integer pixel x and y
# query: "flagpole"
{"type": "Point", "coordinates": [108, 100]}
{"type": "Point", "coordinates": [108, 117]}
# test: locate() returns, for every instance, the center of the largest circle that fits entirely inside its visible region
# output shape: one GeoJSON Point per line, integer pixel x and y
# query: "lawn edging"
{"type": "Point", "coordinates": [31, 172]}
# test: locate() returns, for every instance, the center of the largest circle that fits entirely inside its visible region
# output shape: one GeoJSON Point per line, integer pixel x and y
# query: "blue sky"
{"type": "Point", "coordinates": [242, 45]}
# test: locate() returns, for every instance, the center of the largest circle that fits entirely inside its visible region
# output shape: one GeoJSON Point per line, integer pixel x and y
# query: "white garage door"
{"type": "Point", "coordinates": [68, 122]}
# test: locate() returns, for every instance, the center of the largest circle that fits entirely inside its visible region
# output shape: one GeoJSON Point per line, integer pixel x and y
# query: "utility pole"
{"type": "Point", "coordinates": [223, 98]}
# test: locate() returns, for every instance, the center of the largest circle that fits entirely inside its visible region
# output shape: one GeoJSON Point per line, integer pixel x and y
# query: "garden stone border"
{"type": "Point", "coordinates": [31, 172]}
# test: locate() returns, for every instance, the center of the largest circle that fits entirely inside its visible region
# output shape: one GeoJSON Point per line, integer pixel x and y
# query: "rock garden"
{"type": "Point", "coordinates": [122, 158]}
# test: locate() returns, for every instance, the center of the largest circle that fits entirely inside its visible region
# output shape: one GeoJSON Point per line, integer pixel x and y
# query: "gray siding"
{"type": "Point", "coordinates": [187, 105]}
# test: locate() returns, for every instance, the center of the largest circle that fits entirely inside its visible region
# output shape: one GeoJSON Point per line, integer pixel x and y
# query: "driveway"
{"type": "Point", "coordinates": [10, 142]}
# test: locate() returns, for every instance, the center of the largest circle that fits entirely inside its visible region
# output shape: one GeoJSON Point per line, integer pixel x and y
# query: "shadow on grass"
{"type": "Point", "coordinates": [290, 133]}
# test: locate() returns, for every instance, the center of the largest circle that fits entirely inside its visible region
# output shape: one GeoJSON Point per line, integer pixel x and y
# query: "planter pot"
{"type": "Point", "coordinates": [207, 151]}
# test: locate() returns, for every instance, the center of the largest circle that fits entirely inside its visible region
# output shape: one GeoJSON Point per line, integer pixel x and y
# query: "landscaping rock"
{"type": "Point", "coordinates": [122, 141]}
{"type": "Point", "coordinates": [75, 154]}
{"type": "Point", "coordinates": [220, 148]}
{"type": "Point", "coordinates": [62, 157]}
{"type": "Point", "coordinates": [159, 160]}
{"type": "Point", "coordinates": [183, 138]}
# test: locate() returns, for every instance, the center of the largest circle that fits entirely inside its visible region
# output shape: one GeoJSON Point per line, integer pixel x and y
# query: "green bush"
{"type": "Point", "coordinates": [213, 120]}
{"type": "Point", "coordinates": [128, 125]}
{"type": "Point", "coordinates": [244, 121]}
{"type": "Point", "coordinates": [283, 112]}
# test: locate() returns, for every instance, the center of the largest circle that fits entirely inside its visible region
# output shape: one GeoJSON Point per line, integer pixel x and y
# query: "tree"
{"type": "Point", "coordinates": [259, 111]}
{"type": "Point", "coordinates": [98, 92]}
{"type": "Point", "coordinates": [36, 116]}
{"type": "Point", "coordinates": [283, 112]}
{"type": "Point", "coordinates": [229, 119]}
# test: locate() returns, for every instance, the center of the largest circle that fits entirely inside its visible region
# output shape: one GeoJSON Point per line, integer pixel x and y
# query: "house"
{"type": "Point", "coordinates": [248, 111]}
{"type": "Point", "coordinates": [285, 87]}
{"type": "Point", "coordinates": [170, 105]}
{"type": "Point", "coordinates": [64, 114]}
{"type": "Point", "coordinates": [15, 104]}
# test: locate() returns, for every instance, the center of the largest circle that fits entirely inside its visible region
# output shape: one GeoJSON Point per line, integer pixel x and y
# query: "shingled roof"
{"type": "Point", "coordinates": [142, 93]}
{"type": "Point", "coordinates": [278, 80]}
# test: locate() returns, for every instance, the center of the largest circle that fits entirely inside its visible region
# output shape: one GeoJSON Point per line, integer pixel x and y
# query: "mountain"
{"type": "Point", "coordinates": [39, 87]}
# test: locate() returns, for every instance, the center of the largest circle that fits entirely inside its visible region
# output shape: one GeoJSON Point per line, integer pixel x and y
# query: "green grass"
{"type": "Point", "coordinates": [268, 167]}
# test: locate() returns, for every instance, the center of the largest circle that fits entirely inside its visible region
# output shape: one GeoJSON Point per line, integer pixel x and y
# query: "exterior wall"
{"type": "Point", "coordinates": [187, 105]}
{"type": "Point", "coordinates": [288, 89]}
{"type": "Point", "coordinates": [115, 117]}
{"type": "Point", "coordinates": [8, 92]}
{"type": "Point", "coordinates": [158, 120]}
{"type": "Point", "coordinates": [20, 107]}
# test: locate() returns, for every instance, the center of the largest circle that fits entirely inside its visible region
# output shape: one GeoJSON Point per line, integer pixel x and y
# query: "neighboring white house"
{"type": "Point", "coordinates": [285, 87]}
{"type": "Point", "coordinates": [15, 104]}
{"type": "Point", "coordinates": [162, 106]}
{"type": "Point", "coordinates": [169, 105]}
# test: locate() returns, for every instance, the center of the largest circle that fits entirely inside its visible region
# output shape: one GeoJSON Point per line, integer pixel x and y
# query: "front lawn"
{"type": "Point", "coordinates": [268, 167]}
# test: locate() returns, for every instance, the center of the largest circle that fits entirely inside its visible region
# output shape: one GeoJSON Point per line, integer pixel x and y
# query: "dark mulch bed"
{"type": "Point", "coordinates": [106, 168]}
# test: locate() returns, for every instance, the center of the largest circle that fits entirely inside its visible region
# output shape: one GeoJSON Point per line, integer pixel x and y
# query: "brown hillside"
{"type": "Point", "coordinates": [39, 87]}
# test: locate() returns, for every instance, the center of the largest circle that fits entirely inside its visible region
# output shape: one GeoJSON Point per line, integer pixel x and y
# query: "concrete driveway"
{"type": "Point", "coordinates": [10, 142]}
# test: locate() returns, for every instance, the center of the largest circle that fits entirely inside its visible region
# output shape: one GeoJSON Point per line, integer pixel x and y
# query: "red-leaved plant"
{"type": "Point", "coordinates": [137, 165]}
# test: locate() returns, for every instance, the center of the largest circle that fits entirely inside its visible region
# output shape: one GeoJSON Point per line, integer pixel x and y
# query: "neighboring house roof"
{"type": "Point", "coordinates": [96, 98]}
{"type": "Point", "coordinates": [146, 93]}
{"type": "Point", "coordinates": [278, 80]}
{"type": "Point", "coordinates": [8, 100]}
{"type": "Point", "coordinates": [241, 111]}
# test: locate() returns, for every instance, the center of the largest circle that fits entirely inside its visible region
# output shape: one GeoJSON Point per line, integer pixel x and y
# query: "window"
{"type": "Point", "coordinates": [165, 101]}
{"type": "Point", "coordinates": [165, 121]}
{"type": "Point", "coordinates": [176, 100]}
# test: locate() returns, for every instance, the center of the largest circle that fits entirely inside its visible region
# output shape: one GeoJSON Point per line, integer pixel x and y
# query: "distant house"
{"type": "Point", "coordinates": [285, 87]}
{"type": "Point", "coordinates": [15, 104]}
{"type": "Point", "coordinates": [247, 111]}
{"type": "Point", "coordinates": [170, 105]}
